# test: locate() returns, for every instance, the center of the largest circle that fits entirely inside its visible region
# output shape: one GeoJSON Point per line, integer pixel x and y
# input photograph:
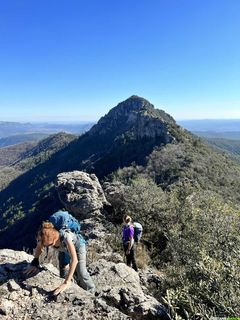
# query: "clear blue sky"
{"type": "Point", "coordinates": [73, 60]}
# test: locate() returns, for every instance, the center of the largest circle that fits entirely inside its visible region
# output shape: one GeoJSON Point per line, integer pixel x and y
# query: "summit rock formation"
{"type": "Point", "coordinates": [138, 117]}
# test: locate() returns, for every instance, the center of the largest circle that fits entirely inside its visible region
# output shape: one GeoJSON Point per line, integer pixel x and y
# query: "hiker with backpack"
{"type": "Point", "coordinates": [62, 232]}
{"type": "Point", "coordinates": [128, 242]}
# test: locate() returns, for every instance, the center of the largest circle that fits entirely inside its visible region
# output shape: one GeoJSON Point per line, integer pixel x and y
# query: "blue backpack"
{"type": "Point", "coordinates": [64, 220]}
{"type": "Point", "coordinates": [137, 231]}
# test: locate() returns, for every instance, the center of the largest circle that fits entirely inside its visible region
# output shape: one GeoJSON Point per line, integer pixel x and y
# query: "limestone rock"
{"type": "Point", "coordinates": [80, 192]}
{"type": "Point", "coordinates": [118, 293]}
{"type": "Point", "coordinates": [121, 293]}
{"type": "Point", "coordinates": [114, 193]}
{"type": "Point", "coordinates": [74, 303]}
{"type": "Point", "coordinates": [120, 286]}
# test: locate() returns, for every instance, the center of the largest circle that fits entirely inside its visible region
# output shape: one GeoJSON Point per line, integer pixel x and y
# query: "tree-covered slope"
{"type": "Point", "coordinates": [226, 145]}
{"type": "Point", "coordinates": [21, 138]}
{"type": "Point", "coordinates": [187, 198]}
{"type": "Point", "coordinates": [127, 134]}
{"type": "Point", "coordinates": [132, 132]}
{"type": "Point", "coordinates": [17, 159]}
{"type": "Point", "coordinates": [11, 154]}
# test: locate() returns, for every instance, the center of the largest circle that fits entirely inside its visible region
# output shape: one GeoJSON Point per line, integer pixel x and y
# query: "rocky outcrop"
{"type": "Point", "coordinates": [31, 298]}
{"type": "Point", "coordinates": [139, 118]}
{"type": "Point", "coordinates": [119, 294]}
{"type": "Point", "coordinates": [114, 192]}
{"type": "Point", "coordinates": [80, 193]}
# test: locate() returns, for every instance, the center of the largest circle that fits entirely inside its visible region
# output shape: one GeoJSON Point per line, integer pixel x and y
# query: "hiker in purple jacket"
{"type": "Point", "coordinates": [128, 242]}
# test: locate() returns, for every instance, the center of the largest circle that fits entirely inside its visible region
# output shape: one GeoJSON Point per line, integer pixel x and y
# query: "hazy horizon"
{"type": "Point", "coordinates": [75, 122]}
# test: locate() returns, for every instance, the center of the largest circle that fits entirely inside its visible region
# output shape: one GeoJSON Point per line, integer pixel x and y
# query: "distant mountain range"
{"type": "Point", "coordinates": [15, 128]}
{"type": "Point", "coordinates": [217, 125]}
{"type": "Point", "coordinates": [20, 138]}
{"type": "Point", "coordinates": [14, 132]}
{"type": "Point", "coordinates": [214, 128]}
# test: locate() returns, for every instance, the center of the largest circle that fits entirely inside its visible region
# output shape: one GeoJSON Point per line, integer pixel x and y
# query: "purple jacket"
{"type": "Point", "coordinates": [127, 233]}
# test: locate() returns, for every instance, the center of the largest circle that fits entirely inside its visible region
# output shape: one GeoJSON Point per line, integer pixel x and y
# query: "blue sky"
{"type": "Point", "coordinates": [74, 60]}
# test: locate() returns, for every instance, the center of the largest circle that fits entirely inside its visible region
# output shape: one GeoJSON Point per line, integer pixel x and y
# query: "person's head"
{"type": "Point", "coordinates": [127, 219]}
{"type": "Point", "coordinates": [48, 235]}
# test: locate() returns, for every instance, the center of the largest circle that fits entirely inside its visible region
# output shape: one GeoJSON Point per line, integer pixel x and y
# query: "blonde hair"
{"type": "Point", "coordinates": [127, 218]}
{"type": "Point", "coordinates": [47, 233]}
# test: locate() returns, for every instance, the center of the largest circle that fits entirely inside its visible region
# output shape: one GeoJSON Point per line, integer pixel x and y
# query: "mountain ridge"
{"type": "Point", "coordinates": [117, 146]}
{"type": "Point", "coordinates": [128, 134]}
{"type": "Point", "coordinates": [183, 192]}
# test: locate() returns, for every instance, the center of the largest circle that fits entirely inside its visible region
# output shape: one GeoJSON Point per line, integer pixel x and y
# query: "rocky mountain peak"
{"type": "Point", "coordinates": [134, 103]}
{"type": "Point", "coordinates": [137, 117]}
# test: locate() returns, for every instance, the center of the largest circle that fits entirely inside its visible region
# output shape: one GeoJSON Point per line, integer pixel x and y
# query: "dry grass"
{"type": "Point", "coordinates": [142, 257]}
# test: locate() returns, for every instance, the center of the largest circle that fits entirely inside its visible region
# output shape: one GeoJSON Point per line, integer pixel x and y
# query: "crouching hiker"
{"type": "Point", "coordinates": [72, 246]}
{"type": "Point", "coordinates": [128, 242]}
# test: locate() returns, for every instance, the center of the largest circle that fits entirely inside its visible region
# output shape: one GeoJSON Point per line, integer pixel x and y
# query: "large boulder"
{"type": "Point", "coordinates": [80, 193]}
{"type": "Point", "coordinates": [120, 286]}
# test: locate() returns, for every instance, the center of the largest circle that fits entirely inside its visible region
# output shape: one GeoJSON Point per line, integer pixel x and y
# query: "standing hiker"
{"type": "Point", "coordinates": [128, 242]}
{"type": "Point", "coordinates": [72, 247]}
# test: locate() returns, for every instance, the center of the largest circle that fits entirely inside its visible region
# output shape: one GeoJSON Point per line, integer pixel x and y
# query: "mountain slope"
{"type": "Point", "coordinates": [226, 145]}
{"type": "Point", "coordinates": [17, 159]}
{"type": "Point", "coordinates": [133, 132]}
{"type": "Point", "coordinates": [128, 133]}
{"type": "Point", "coordinates": [184, 192]}
{"type": "Point", "coordinates": [10, 154]}
{"type": "Point", "coordinates": [21, 138]}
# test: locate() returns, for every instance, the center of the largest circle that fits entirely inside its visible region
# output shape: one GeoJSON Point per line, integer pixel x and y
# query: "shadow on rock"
{"type": "Point", "coordinates": [15, 271]}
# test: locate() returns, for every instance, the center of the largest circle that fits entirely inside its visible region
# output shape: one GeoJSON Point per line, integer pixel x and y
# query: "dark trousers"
{"type": "Point", "coordinates": [64, 260]}
{"type": "Point", "coordinates": [131, 261]}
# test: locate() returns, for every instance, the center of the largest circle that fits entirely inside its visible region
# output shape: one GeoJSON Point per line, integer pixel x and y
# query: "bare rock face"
{"type": "Point", "coordinates": [120, 287]}
{"type": "Point", "coordinates": [80, 192]}
{"type": "Point", "coordinates": [119, 295]}
{"type": "Point", "coordinates": [114, 192]}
